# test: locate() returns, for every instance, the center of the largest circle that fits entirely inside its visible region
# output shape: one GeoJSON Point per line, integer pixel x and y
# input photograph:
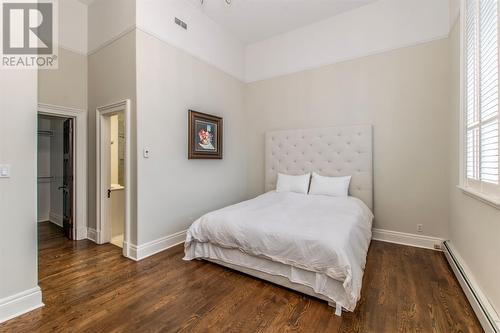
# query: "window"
{"type": "Point", "coordinates": [480, 98]}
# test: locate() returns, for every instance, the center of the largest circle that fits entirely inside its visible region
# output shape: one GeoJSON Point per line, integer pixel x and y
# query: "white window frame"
{"type": "Point", "coordinates": [487, 193]}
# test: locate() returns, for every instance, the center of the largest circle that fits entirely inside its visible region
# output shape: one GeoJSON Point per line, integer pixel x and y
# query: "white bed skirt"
{"type": "Point", "coordinates": [310, 283]}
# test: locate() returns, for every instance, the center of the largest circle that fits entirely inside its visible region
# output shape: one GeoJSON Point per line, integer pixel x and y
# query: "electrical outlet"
{"type": "Point", "coordinates": [420, 227]}
{"type": "Point", "coordinates": [5, 171]}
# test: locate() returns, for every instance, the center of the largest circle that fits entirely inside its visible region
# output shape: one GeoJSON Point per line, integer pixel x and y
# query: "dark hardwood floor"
{"type": "Point", "coordinates": [92, 288]}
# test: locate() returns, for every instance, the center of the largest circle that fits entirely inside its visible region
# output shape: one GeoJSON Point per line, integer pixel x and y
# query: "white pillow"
{"type": "Point", "coordinates": [332, 186]}
{"type": "Point", "coordinates": [289, 183]}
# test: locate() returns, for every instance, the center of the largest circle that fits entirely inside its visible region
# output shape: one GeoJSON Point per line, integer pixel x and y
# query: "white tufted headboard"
{"type": "Point", "coordinates": [331, 151]}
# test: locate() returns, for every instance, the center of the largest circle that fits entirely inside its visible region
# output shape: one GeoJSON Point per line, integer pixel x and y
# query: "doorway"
{"type": "Point", "coordinates": [56, 173]}
{"type": "Point", "coordinates": [62, 175]}
{"type": "Point", "coordinates": [113, 175]}
{"type": "Point", "coordinates": [116, 191]}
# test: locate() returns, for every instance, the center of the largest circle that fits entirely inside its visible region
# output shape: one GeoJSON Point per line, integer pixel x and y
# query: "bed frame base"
{"type": "Point", "coordinates": [338, 309]}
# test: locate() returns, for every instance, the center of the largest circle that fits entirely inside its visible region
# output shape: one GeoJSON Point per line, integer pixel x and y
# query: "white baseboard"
{"type": "Point", "coordinates": [403, 238]}
{"type": "Point", "coordinates": [148, 249]}
{"type": "Point", "coordinates": [20, 303]}
{"type": "Point", "coordinates": [139, 252]}
{"type": "Point", "coordinates": [81, 233]}
{"type": "Point", "coordinates": [92, 234]}
{"type": "Point", "coordinates": [56, 219]}
{"type": "Point", "coordinates": [485, 312]}
{"type": "Point", "coordinates": [43, 219]}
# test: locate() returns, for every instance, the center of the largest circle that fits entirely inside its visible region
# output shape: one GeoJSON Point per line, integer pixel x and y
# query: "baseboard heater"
{"type": "Point", "coordinates": [485, 313]}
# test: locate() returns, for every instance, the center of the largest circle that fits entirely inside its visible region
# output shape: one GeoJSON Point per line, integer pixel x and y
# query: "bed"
{"type": "Point", "coordinates": [313, 244]}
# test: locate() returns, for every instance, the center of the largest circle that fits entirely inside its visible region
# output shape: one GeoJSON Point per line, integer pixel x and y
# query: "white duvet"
{"type": "Point", "coordinates": [322, 234]}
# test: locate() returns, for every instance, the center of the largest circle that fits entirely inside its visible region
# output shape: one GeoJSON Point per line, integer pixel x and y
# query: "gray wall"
{"type": "Point", "coordinates": [404, 94]}
{"type": "Point", "coordinates": [18, 227]}
{"type": "Point", "coordinates": [66, 86]}
{"type": "Point", "coordinates": [172, 190]}
{"type": "Point", "coordinates": [111, 78]}
{"type": "Point", "coordinates": [474, 225]}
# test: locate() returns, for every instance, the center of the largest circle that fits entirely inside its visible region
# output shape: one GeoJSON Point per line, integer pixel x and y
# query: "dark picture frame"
{"type": "Point", "coordinates": [205, 136]}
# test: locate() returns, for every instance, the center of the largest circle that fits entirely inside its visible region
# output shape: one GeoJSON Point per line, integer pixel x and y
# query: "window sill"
{"type": "Point", "coordinates": [487, 199]}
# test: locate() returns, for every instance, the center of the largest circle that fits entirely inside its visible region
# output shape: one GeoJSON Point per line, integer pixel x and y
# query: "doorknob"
{"type": "Point", "coordinates": [61, 187]}
{"type": "Point", "coordinates": [109, 193]}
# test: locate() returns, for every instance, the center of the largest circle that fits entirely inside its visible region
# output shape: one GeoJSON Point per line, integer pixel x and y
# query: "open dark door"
{"type": "Point", "coordinates": [68, 221]}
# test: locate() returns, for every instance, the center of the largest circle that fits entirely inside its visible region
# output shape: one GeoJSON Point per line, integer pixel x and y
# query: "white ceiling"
{"type": "Point", "coordinates": [255, 20]}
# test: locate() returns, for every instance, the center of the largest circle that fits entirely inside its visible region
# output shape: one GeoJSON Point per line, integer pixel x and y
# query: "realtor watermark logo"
{"type": "Point", "coordinates": [29, 34]}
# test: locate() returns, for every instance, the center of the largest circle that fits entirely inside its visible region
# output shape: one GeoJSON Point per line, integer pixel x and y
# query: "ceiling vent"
{"type": "Point", "coordinates": [181, 23]}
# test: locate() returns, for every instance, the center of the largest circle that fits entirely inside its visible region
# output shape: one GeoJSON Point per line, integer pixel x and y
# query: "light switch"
{"type": "Point", "coordinates": [146, 153]}
{"type": "Point", "coordinates": [4, 171]}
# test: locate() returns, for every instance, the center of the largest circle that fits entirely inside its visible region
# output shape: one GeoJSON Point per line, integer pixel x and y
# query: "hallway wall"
{"type": "Point", "coordinates": [18, 227]}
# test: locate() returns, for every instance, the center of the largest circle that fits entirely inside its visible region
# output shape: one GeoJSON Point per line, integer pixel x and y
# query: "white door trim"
{"type": "Point", "coordinates": [79, 165]}
{"type": "Point", "coordinates": [121, 106]}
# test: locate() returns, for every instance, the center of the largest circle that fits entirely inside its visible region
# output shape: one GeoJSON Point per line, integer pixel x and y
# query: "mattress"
{"type": "Point", "coordinates": [317, 241]}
